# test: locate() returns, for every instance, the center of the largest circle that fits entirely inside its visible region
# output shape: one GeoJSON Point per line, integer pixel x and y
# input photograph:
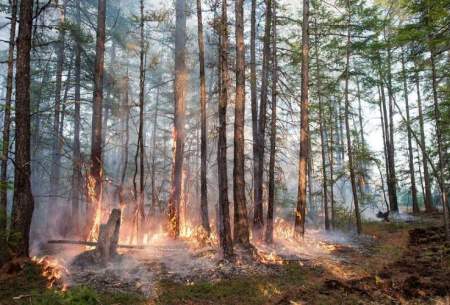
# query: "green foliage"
{"type": "Point", "coordinates": [77, 296]}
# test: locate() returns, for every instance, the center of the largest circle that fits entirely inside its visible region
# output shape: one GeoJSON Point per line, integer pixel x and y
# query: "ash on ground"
{"type": "Point", "coordinates": [140, 270]}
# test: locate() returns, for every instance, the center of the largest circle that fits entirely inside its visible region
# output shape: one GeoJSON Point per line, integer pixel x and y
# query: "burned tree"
{"type": "Point", "coordinates": [96, 139]}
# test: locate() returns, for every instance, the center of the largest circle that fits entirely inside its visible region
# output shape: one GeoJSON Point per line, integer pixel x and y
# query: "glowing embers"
{"type": "Point", "coordinates": [54, 271]}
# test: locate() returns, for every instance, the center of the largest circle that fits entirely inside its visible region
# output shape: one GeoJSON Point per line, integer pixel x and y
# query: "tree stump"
{"type": "Point", "coordinates": [108, 236]}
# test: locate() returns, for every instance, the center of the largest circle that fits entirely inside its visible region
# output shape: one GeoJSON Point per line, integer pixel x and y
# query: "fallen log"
{"type": "Point", "coordinates": [92, 243]}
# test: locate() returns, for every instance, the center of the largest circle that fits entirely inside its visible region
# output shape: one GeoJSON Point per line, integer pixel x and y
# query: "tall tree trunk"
{"type": "Point", "coordinates": [226, 242]}
{"type": "Point", "coordinates": [273, 131]}
{"type": "Point", "coordinates": [155, 126]}
{"type": "Point", "coordinates": [300, 213]}
{"type": "Point", "coordinates": [437, 117]}
{"type": "Point", "coordinates": [203, 128]}
{"type": "Point", "coordinates": [331, 162]}
{"type": "Point", "coordinates": [415, 204]}
{"type": "Point", "coordinates": [125, 129]}
{"type": "Point", "coordinates": [391, 148]}
{"type": "Point", "coordinates": [96, 141]}
{"type": "Point", "coordinates": [428, 199]}
{"type": "Point", "coordinates": [141, 213]}
{"type": "Point", "coordinates": [57, 140]}
{"type": "Point", "coordinates": [361, 165]}
{"type": "Point", "coordinates": [385, 139]}
{"type": "Point", "coordinates": [179, 119]}
{"type": "Point", "coordinates": [322, 134]}
{"type": "Point", "coordinates": [387, 142]}
{"type": "Point", "coordinates": [253, 94]}
{"type": "Point", "coordinates": [76, 165]}
{"type": "Point", "coordinates": [23, 202]}
{"type": "Point", "coordinates": [241, 233]}
{"type": "Point", "coordinates": [258, 217]}
{"type": "Point", "coordinates": [7, 118]}
{"type": "Point", "coordinates": [347, 125]}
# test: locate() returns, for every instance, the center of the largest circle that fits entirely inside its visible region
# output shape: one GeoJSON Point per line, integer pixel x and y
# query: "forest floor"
{"type": "Point", "coordinates": [398, 263]}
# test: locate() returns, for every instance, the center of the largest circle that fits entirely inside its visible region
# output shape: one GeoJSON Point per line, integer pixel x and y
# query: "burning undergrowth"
{"type": "Point", "coordinates": [194, 257]}
{"type": "Point", "coordinates": [54, 270]}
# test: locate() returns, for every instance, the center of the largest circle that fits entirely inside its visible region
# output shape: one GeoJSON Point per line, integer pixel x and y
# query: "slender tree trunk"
{"type": "Point", "coordinates": [309, 182]}
{"type": "Point", "coordinates": [203, 128]}
{"type": "Point", "coordinates": [258, 217]}
{"type": "Point", "coordinates": [391, 149]}
{"type": "Point", "coordinates": [76, 165]}
{"type": "Point", "coordinates": [241, 231]}
{"type": "Point", "coordinates": [253, 94]}
{"type": "Point", "coordinates": [155, 126]}
{"type": "Point", "coordinates": [340, 133]}
{"type": "Point", "coordinates": [437, 117]}
{"type": "Point", "coordinates": [179, 119]}
{"type": "Point", "coordinates": [382, 118]}
{"type": "Point", "coordinates": [428, 200]}
{"type": "Point", "coordinates": [300, 213]}
{"type": "Point", "coordinates": [125, 111]}
{"type": "Point", "coordinates": [422, 187]}
{"type": "Point", "coordinates": [322, 135]}
{"type": "Point", "coordinates": [7, 118]}
{"type": "Point", "coordinates": [141, 213]}
{"type": "Point", "coordinates": [387, 144]}
{"type": "Point", "coordinates": [23, 202]}
{"type": "Point", "coordinates": [415, 204]}
{"type": "Point", "coordinates": [273, 133]}
{"type": "Point", "coordinates": [331, 162]}
{"type": "Point", "coordinates": [361, 165]}
{"type": "Point", "coordinates": [226, 242]}
{"type": "Point", "coordinates": [57, 140]}
{"type": "Point", "coordinates": [96, 141]}
{"type": "Point", "coordinates": [347, 126]}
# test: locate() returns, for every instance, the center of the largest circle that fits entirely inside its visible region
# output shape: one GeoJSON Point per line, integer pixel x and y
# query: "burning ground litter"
{"type": "Point", "coordinates": [191, 259]}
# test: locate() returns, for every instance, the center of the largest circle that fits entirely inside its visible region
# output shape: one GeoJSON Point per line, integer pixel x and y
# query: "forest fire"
{"type": "Point", "coordinates": [94, 231]}
{"type": "Point", "coordinates": [53, 270]}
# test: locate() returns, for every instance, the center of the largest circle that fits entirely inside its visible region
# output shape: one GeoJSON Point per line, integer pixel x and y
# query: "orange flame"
{"type": "Point", "coordinates": [53, 271]}
{"type": "Point", "coordinates": [93, 233]}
